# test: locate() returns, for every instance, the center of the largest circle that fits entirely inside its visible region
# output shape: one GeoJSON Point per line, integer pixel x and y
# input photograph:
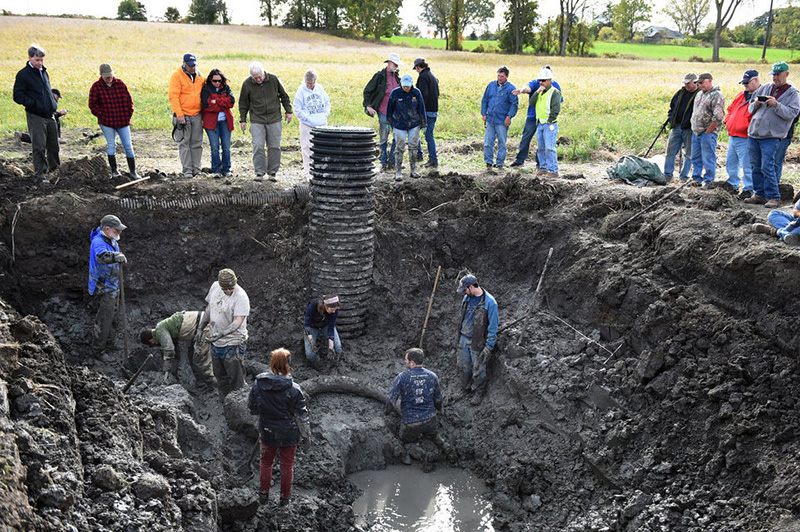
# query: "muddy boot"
{"type": "Point", "coordinates": [466, 383]}
{"type": "Point", "coordinates": [112, 162]}
{"type": "Point", "coordinates": [765, 229]}
{"type": "Point", "coordinates": [132, 168]}
{"type": "Point", "coordinates": [412, 159]}
{"type": "Point", "coordinates": [398, 167]}
{"type": "Point", "coordinates": [315, 363]}
{"type": "Point", "coordinates": [478, 389]}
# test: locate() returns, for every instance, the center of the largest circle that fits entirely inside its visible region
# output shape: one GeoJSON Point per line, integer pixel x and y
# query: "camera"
{"type": "Point", "coordinates": [762, 98]}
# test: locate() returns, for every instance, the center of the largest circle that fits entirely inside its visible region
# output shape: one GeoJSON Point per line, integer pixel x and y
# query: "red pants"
{"type": "Point", "coordinates": [287, 468]}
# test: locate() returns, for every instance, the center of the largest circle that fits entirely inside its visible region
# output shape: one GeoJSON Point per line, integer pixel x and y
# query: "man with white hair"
{"type": "Point", "coordinates": [261, 96]}
{"type": "Point", "coordinates": [376, 99]}
{"type": "Point", "coordinates": [32, 90]}
{"type": "Point", "coordinates": [547, 102]}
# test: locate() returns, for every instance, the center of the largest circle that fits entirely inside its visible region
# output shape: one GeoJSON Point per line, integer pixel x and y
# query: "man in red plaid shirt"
{"type": "Point", "coordinates": [111, 103]}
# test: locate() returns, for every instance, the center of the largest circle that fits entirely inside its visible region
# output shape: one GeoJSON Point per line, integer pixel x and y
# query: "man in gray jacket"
{"type": "Point", "coordinates": [262, 95]}
{"type": "Point", "coordinates": [774, 106]}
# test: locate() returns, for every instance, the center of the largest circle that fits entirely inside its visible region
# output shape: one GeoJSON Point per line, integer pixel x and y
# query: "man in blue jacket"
{"type": "Point", "coordinates": [498, 107]}
{"type": "Point", "coordinates": [528, 132]}
{"type": "Point", "coordinates": [104, 269]}
{"type": "Point", "coordinates": [32, 90]}
{"type": "Point", "coordinates": [405, 113]}
{"type": "Point", "coordinates": [477, 335]}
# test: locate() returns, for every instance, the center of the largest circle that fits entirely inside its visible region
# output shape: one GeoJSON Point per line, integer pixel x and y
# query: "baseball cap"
{"type": "Point", "coordinates": [466, 282]}
{"type": "Point", "coordinates": [109, 220]}
{"type": "Point", "coordinates": [406, 80]}
{"type": "Point", "coordinates": [777, 68]}
{"type": "Point", "coordinates": [691, 76]}
{"type": "Point", "coordinates": [189, 59]}
{"type": "Point", "coordinates": [748, 75]}
{"type": "Point", "coordinates": [705, 75]}
{"type": "Point", "coordinates": [418, 61]}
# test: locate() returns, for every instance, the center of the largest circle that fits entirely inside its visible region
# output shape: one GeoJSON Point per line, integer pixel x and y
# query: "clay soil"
{"type": "Point", "coordinates": [651, 386]}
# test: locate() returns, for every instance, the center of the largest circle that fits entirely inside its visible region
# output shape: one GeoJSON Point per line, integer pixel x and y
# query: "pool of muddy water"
{"type": "Point", "coordinates": [402, 498]}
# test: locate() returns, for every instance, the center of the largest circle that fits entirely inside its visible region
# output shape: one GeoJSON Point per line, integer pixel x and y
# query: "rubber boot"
{"type": "Point", "coordinates": [466, 381]}
{"type": "Point", "coordinates": [412, 159]}
{"type": "Point", "coordinates": [132, 168]}
{"type": "Point", "coordinates": [112, 162]}
{"type": "Point", "coordinates": [478, 388]}
{"type": "Point", "coordinates": [398, 167]}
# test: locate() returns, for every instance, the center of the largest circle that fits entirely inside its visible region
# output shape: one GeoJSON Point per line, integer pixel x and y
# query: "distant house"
{"type": "Point", "coordinates": [661, 34]}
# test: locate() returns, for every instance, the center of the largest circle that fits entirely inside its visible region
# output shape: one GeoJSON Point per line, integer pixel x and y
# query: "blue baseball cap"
{"type": "Point", "coordinates": [748, 75]}
{"type": "Point", "coordinates": [189, 59]}
{"type": "Point", "coordinates": [466, 282]}
{"type": "Point", "coordinates": [406, 80]}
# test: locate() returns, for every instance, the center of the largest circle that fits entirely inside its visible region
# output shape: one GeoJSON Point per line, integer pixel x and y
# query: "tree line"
{"type": "Point", "coordinates": [572, 31]}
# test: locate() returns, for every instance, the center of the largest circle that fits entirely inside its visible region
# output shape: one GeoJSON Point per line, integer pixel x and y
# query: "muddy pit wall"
{"type": "Point", "coordinates": [685, 336]}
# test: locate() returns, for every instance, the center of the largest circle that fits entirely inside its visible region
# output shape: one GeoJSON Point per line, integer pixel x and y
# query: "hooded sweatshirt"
{"type": "Point", "coordinates": [773, 122]}
{"type": "Point", "coordinates": [312, 107]}
{"type": "Point", "coordinates": [709, 107]}
{"type": "Point", "coordinates": [279, 403]}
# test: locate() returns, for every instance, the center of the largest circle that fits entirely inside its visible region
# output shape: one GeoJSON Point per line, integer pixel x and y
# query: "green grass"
{"type": "Point", "coordinates": [438, 44]}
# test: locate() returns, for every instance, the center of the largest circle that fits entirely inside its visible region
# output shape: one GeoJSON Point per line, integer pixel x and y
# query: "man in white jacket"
{"type": "Point", "coordinates": [312, 106]}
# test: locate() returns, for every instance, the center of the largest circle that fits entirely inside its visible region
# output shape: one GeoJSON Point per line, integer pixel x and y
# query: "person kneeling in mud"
{"type": "Point", "coordinates": [420, 399]}
{"type": "Point", "coordinates": [182, 329]}
{"type": "Point", "coordinates": [321, 315]}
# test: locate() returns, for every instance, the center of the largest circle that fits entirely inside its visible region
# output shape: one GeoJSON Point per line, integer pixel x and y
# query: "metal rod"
{"type": "Point", "coordinates": [124, 313]}
{"type": "Point", "coordinates": [660, 131]}
{"type": "Point", "coordinates": [138, 372]}
{"type": "Point", "coordinates": [430, 304]}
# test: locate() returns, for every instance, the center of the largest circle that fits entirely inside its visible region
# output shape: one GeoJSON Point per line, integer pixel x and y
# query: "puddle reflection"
{"type": "Point", "coordinates": [403, 498]}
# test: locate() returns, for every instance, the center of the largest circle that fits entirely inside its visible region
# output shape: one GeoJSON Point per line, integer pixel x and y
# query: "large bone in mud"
{"type": "Point", "coordinates": [240, 419]}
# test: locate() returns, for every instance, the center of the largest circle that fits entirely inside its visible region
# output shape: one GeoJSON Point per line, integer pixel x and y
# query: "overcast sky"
{"type": "Point", "coordinates": [248, 11]}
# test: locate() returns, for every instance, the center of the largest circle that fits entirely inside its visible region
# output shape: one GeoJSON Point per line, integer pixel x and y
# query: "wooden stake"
{"type": "Point", "coordinates": [430, 304]}
{"type": "Point", "coordinates": [129, 183]}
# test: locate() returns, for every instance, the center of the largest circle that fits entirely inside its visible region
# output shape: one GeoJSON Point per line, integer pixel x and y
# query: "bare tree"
{"type": "Point", "coordinates": [569, 16]}
{"type": "Point", "coordinates": [687, 14]}
{"type": "Point", "coordinates": [725, 11]}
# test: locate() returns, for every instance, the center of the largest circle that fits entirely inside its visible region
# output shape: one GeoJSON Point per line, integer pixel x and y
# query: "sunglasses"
{"type": "Point", "coordinates": [216, 81]}
{"type": "Point", "coordinates": [542, 80]}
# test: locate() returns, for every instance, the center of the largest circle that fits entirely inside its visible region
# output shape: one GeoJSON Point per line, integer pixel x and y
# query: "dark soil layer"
{"type": "Point", "coordinates": [652, 386]}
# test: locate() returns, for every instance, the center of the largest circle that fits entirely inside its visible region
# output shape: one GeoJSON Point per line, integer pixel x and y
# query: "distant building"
{"type": "Point", "coordinates": [661, 34]}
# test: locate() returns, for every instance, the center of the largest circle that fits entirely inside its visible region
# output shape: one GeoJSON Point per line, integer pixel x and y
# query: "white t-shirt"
{"type": "Point", "coordinates": [224, 309]}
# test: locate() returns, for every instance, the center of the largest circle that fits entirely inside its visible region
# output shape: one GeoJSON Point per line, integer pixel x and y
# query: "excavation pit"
{"type": "Point", "coordinates": [652, 386]}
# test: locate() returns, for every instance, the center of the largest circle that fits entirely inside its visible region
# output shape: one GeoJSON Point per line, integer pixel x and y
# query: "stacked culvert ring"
{"type": "Point", "coordinates": [342, 239]}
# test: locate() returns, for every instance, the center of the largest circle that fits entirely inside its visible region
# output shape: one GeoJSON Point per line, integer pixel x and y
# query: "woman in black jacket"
{"type": "Point", "coordinates": [282, 419]}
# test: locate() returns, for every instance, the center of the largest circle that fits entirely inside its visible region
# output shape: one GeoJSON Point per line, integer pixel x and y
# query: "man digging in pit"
{"type": "Point", "coordinates": [182, 330]}
{"type": "Point", "coordinates": [477, 335]}
{"type": "Point", "coordinates": [227, 311]}
{"type": "Point", "coordinates": [420, 398]}
{"type": "Point", "coordinates": [105, 259]}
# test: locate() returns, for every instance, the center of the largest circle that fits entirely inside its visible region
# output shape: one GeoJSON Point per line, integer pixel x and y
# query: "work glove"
{"type": "Point", "coordinates": [388, 408]}
{"type": "Point", "coordinates": [120, 258]}
{"type": "Point", "coordinates": [484, 355]}
{"type": "Point", "coordinates": [331, 354]}
{"type": "Point", "coordinates": [213, 338]}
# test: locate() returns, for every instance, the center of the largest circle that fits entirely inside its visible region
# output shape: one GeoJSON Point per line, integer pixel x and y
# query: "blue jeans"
{"type": "Point", "coordinates": [739, 155]}
{"type": "Point", "coordinates": [762, 160]}
{"type": "Point", "coordinates": [216, 137]}
{"type": "Point", "coordinates": [310, 353]}
{"type": "Point", "coordinates": [111, 141]}
{"type": "Point", "coordinates": [431, 118]}
{"type": "Point", "coordinates": [468, 361]}
{"type": "Point", "coordinates": [779, 220]}
{"type": "Point", "coordinates": [228, 352]}
{"type": "Point", "coordinates": [383, 136]}
{"type": "Point", "coordinates": [525, 142]}
{"type": "Point", "coordinates": [679, 137]}
{"type": "Point", "coordinates": [494, 132]}
{"type": "Point", "coordinates": [704, 155]}
{"type": "Point", "coordinates": [546, 149]}
{"type": "Point", "coordinates": [780, 155]}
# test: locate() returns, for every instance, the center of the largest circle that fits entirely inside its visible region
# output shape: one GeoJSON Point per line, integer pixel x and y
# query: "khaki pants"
{"type": "Point", "coordinates": [305, 147]}
{"type": "Point", "coordinates": [190, 148]}
{"type": "Point", "coordinates": [269, 134]}
{"type": "Point", "coordinates": [199, 360]}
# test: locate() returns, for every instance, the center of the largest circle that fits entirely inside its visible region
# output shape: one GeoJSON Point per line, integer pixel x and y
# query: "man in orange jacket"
{"type": "Point", "coordinates": [737, 120]}
{"type": "Point", "coordinates": [184, 97]}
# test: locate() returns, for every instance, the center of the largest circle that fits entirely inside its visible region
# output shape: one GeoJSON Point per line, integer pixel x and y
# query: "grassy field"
{"type": "Point", "coordinates": [612, 105]}
{"type": "Point", "coordinates": [645, 51]}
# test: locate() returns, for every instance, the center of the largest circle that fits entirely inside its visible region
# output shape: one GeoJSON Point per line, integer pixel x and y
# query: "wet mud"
{"type": "Point", "coordinates": [652, 386]}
